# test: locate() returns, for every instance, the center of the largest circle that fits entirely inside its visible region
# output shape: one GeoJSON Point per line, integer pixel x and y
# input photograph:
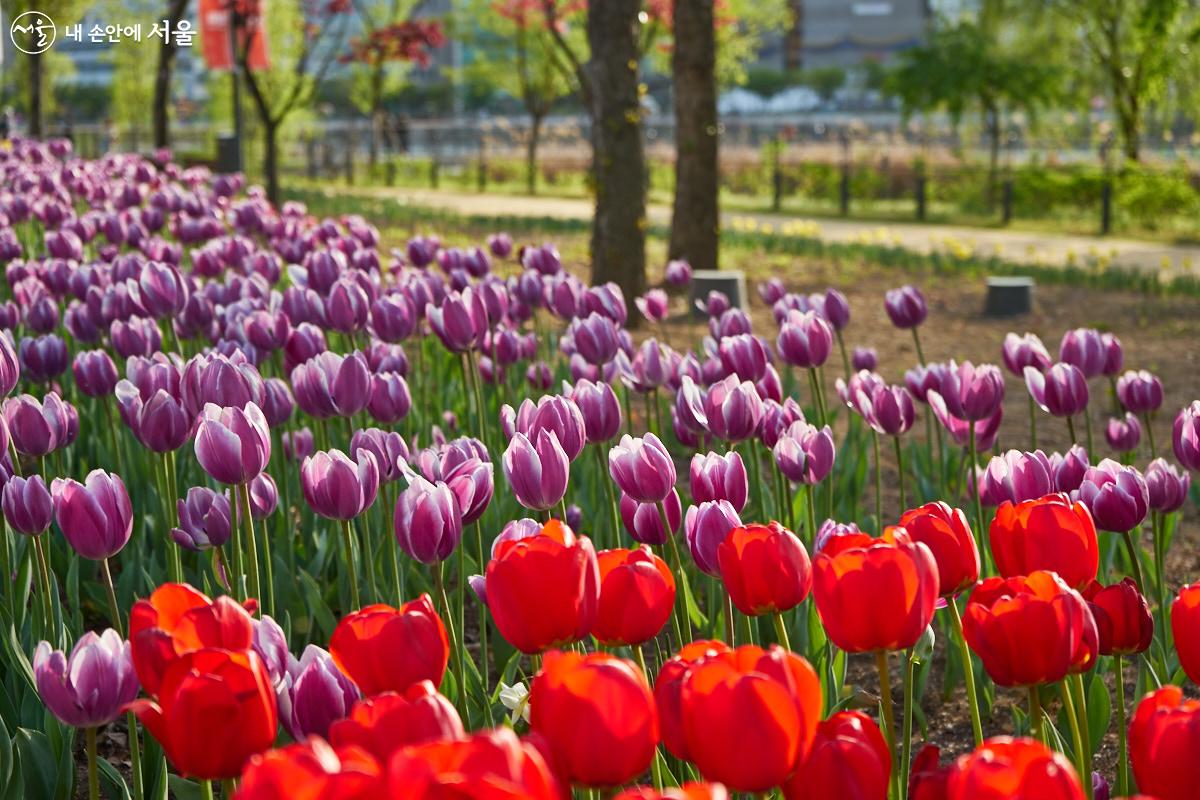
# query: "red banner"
{"type": "Point", "coordinates": [215, 38]}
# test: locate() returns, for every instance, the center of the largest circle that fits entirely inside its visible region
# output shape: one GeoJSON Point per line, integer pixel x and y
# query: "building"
{"type": "Point", "coordinates": [847, 33]}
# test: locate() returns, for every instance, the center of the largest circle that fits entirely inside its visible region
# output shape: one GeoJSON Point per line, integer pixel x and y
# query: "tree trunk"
{"type": "Point", "coordinates": [271, 159]}
{"type": "Point", "coordinates": [162, 78]}
{"type": "Point", "coordinates": [531, 148]}
{"type": "Point", "coordinates": [695, 224]}
{"type": "Point", "coordinates": [376, 115]}
{"type": "Point", "coordinates": [618, 160]}
{"type": "Point", "coordinates": [1131, 134]}
{"type": "Point", "coordinates": [35, 95]}
{"type": "Point", "coordinates": [992, 122]}
{"type": "Point", "coordinates": [793, 40]}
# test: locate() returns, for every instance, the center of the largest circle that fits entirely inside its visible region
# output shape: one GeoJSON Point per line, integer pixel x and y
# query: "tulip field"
{"type": "Point", "coordinates": [296, 509]}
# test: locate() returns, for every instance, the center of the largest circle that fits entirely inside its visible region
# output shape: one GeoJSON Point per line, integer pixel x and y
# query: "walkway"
{"type": "Point", "coordinates": [1009, 245]}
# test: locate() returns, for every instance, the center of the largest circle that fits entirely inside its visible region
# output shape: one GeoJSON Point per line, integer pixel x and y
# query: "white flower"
{"type": "Point", "coordinates": [516, 699]}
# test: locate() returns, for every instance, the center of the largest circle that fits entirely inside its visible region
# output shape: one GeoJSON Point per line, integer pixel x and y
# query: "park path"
{"type": "Point", "coordinates": [1010, 245]}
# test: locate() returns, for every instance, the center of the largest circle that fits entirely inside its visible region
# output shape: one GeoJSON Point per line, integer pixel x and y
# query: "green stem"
{"type": "Point", "coordinates": [968, 672]}
{"type": "Point", "coordinates": [612, 497]}
{"type": "Point", "coordinates": [114, 610]}
{"type": "Point", "coordinates": [885, 704]}
{"type": "Point", "coordinates": [1082, 757]}
{"type": "Point", "coordinates": [1032, 424]}
{"type": "Point", "coordinates": [845, 358]}
{"type": "Point", "coordinates": [973, 489]}
{"type": "Point", "coordinates": [1150, 435]}
{"type": "Point", "coordinates": [781, 630]}
{"type": "Point", "coordinates": [348, 539]}
{"type": "Point", "coordinates": [228, 787]}
{"type": "Point", "coordinates": [654, 766]}
{"type": "Point", "coordinates": [93, 773]}
{"type": "Point", "coordinates": [917, 341]}
{"type": "Point", "coordinates": [1085, 733]}
{"type": "Point", "coordinates": [878, 482]}
{"type": "Point", "coordinates": [1035, 714]}
{"type": "Point", "coordinates": [730, 636]}
{"type": "Point", "coordinates": [206, 790]}
{"type": "Point", "coordinates": [756, 478]}
{"type": "Point", "coordinates": [1132, 549]}
{"type": "Point", "coordinates": [460, 678]}
{"type": "Point", "coordinates": [44, 580]}
{"type": "Point", "coordinates": [243, 493]}
{"type": "Point", "coordinates": [905, 758]}
{"type": "Point", "coordinates": [811, 508]}
{"type": "Point", "coordinates": [686, 623]}
{"type": "Point", "coordinates": [135, 755]}
{"type": "Point", "coordinates": [1087, 426]}
{"type": "Point", "coordinates": [1071, 433]}
{"type": "Point", "coordinates": [1122, 743]}
{"type": "Point", "coordinates": [483, 623]}
{"type": "Point", "coordinates": [900, 471]}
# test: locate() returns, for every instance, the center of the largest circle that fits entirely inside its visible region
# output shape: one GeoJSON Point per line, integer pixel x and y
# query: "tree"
{"type": "Point", "coordinates": [304, 44]}
{"type": "Point", "coordinates": [695, 218]}
{"type": "Point", "coordinates": [167, 48]}
{"type": "Point", "coordinates": [793, 40]}
{"type": "Point", "coordinates": [63, 13]}
{"type": "Point", "coordinates": [1134, 45]}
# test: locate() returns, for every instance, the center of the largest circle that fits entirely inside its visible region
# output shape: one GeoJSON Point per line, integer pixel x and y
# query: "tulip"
{"type": "Point", "coordinates": [264, 496]}
{"type": "Point", "coordinates": [314, 694]}
{"type": "Point", "coordinates": [95, 516]}
{"type": "Point", "coordinates": [771, 291]}
{"type": "Point", "coordinates": [1163, 740]}
{"type": "Point", "coordinates": [221, 381]}
{"type": "Point", "coordinates": [390, 400]}
{"type": "Point", "coordinates": [1166, 486]}
{"type": "Point", "coordinates": [385, 723]}
{"type": "Point", "coordinates": [489, 764]}
{"type": "Point", "coordinates": [744, 355]}
{"type": "Point", "coordinates": [332, 385]}
{"type": "Point", "coordinates": [1116, 495]}
{"type": "Point", "coordinates": [95, 373]}
{"type": "Point", "coordinates": [176, 620]}
{"type": "Point", "coordinates": [875, 594]}
{"type": "Point", "coordinates": [1083, 348]}
{"type": "Point", "coordinates": [597, 716]}
{"type": "Point", "coordinates": [336, 487]}
{"type": "Point", "coordinates": [28, 506]}
{"type": "Point", "coordinates": [556, 414]}
{"type": "Point", "coordinates": [600, 409]}
{"type": "Point", "coordinates": [668, 692]}
{"type": "Point", "coordinates": [1003, 768]}
{"type": "Point", "coordinates": [961, 430]}
{"type": "Point", "coordinates": [831, 528]}
{"type": "Point", "coordinates": [543, 589]}
{"type": "Point", "coordinates": [732, 409]}
{"type": "Point", "coordinates": [1124, 434]}
{"type": "Point", "coordinates": [749, 716]}
{"type": "Point", "coordinates": [1024, 351]}
{"type": "Point", "coordinates": [37, 428]}
{"type": "Point", "coordinates": [43, 358]}
{"type": "Point", "coordinates": [944, 530]}
{"type": "Point", "coordinates": [654, 305]}
{"type": "Point", "coordinates": [205, 519]}
{"type": "Point", "coordinates": [804, 453]}
{"type": "Point", "coordinates": [347, 307]}
{"type": "Point", "coordinates": [1185, 438]}
{"type": "Point", "coordinates": [706, 526]}
{"type": "Point", "coordinates": [905, 307]}
{"type": "Point", "coordinates": [460, 321]}
{"type": "Point", "coordinates": [678, 273]}
{"type": "Point", "coordinates": [160, 423]}
{"type": "Point", "coordinates": [233, 444]}
{"type": "Point", "coordinates": [864, 358]}
{"type": "Point", "coordinates": [595, 338]}
{"type": "Point", "coordinates": [688, 791]}
{"type": "Point", "coordinates": [1068, 470]}
{"type": "Point", "coordinates": [1027, 630]}
{"type": "Point", "coordinates": [971, 393]}
{"type": "Point", "coordinates": [887, 409]}
{"type": "Point", "coordinates": [10, 369]}
{"type": "Point", "coordinates": [224, 693]}
{"type": "Point", "coordinates": [642, 468]}
{"type": "Point", "coordinates": [1140, 392]}
{"type": "Point", "coordinates": [805, 340]}
{"type": "Point", "coordinates": [1050, 533]}
{"type": "Point", "coordinates": [160, 289]}
{"type": "Point", "coordinates": [297, 445]}
{"type": "Point", "coordinates": [765, 569]}
{"type": "Point", "coordinates": [312, 764]}
{"type": "Point", "coordinates": [89, 688]}
{"type": "Point", "coordinates": [719, 477]}
{"type": "Point", "coordinates": [537, 471]}
{"type": "Point", "coordinates": [1122, 617]}
{"type": "Point", "coordinates": [1016, 477]}
{"type": "Point", "coordinates": [637, 593]}
{"type": "Point", "coordinates": [428, 520]}
{"type": "Point", "coordinates": [777, 418]}
{"type": "Point", "coordinates": [849, 757]}
{"type": "Point", "coordinates": [382, 648]}
{"type": "Point", "coordinates": [1185, 627]}
{"type": "Point", "coordinates": [644, 521]}
{"type": "Point", "coordinates": [1114, 355]}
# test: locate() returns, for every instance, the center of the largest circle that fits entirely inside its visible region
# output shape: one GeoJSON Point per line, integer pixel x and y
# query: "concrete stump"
{"type": "Point", "coordinates": [1009, 296]}
{"type": "Point", "coordinates": [730, 282]}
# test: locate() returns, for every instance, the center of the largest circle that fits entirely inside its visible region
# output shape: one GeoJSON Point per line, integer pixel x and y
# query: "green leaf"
{"type": "Point", "coordinates": [7, 757]}
{"type": "Point", "coordinates": [38, 765]}
{"type": "Point", "coordinates": [111, 781]}
{"type": "Point", "coordinates": [16, 657]}
{"type": "Point", "coordinates": [1099, 711]}
{"type": "Point", "coordinates": [184, 789]}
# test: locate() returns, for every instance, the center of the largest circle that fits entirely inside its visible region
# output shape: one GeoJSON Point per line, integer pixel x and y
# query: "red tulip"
{"type": "Point", "coordinates": [765, 568]}
{"type": "Point", "coordinates": [944, 530]}
{"type": "Point", "coordinates": [596, 715]}
{"type": "Point", "coordinates": [689, 791]}
{"type": "Point", "coordinates": [637, 593]}
{"type": "Point", "coordinates": [849, 759]}
{"type": "Point", "coordinates": [215, 709]}
{"type": "Point", "coordinates": [927, 780]}
{"type": "Point", "coordinates": [1027, 630]}
{"type": "Point", "coordinates": [1050, 533]}
{"type": "Point", "coordinates": [177, 620]}
{"type": "Point", "coordinates": [383, 649]}
{"type": "Point", "coordinates": [543, 590]}
{"type": "Point", "coordinates": [875, 594]}
{"type": "Point", "coordinates": [492, 765]}
{"type": "Point", "coordinates": [1164, 739]}
{"type": "Point", "coordinates": [750, 715]}
{"type": "Point", "coordinates": [1004, 768]}
{"type": "Point", "coordinates": [382, 724]}
{"type": "Point", "coordinates": [311, 770]}
{"type": "Point", "coordinates": [668, 692]}
{"type": "Point", "coordinates": [1185, 626]}
{"type": "Point", "coordinates": [1122, 615]}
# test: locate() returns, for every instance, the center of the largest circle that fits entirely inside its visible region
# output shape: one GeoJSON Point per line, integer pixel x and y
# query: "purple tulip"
{"type": "Point", "coordinates": [574, 517]}
{"type": "Point", "coordinates": [537, 470]}
{"type": "Point", "coordinates": [160, 289]}
{"type": "Point", "coordinates": [91, 687]}
{"type": "Point", "coordinates": [1166, 486]}
{"type": "Point", "coordinates": [1124, 434]}
{"type": "Point", "coordinates": [921, 380]}
{"type": "Point", "coordinates": [278, 402]}
{"type": "Point", "coordinates": [595, 338]}
{"type": "Point", "coordinates": [264, 496]}
{"type": "Point", "coordinates": [314, 694]}
{"type": "Point", "coordinates": [805, 340]}
{"type": "Point", "coordinates": [539, 376]}
{"type": "Point", "coordinates": [43, 358]}
{"type": "Point", "coordinates": [606, 300]}
{"type": "Point", "coordinates": [972, 392]}
{"type": "Point", "coordinates": [776, 419]}
{"type": "Point", "coordinates": [835, 308]}
{"type": "Point", "coordinates": [297, 445]}
{"type": "Point", "coordinates": [555, 413]}
{"type": "Point", "coordinates": [1116, 495]}
{"type": "Point", "coordinates": [95, 373]}
{"type": "Point", "coordinates": [10, 365]}
{"type": "Point", "coordinates": [304, 342]}
{"type": "Point", "coordinates": [771, 291]}
{"type": "Point", "coordinates": [805, 453]}
{"type": "Point", "coordinates": [644, 522]}
{"type": "Point", "coordinates": [204, 519]}
{"type": "Point", "coordinates": [715, 304]}
{"type": "Point", "coordinates": [233, 444]}
{"type": "Point", "coordinates": [1114, 355]}
{"type": "Point", "coordinates": [159, 423]}
{"type": "Point", "coordinates": [1185, 436]}
{"type": "Point", "coordinates": [460, 321]}
{"type": "Point", "coordinates": [137, 336]}
{"type": "Point", "coordinates": [649, 369]}
{"type": "Point", "coordinates": [220, 380]}
{"type": "Point", "coordinates": [388, 447]}
{"type": "Point", "coordinates": [1068, 470]}
{"type": "Point", "coordinates": [1100, 788]}
{"type": "Point", "coordinates": [332, 385]}
{"type": "Point", "coordinates": [864, 358]}
{"type": "Point", "coordinates": [831, 528]}
{"type": "Point", "coordinates": [37, 427]}
{"type": "Point", "coordinates": [960, 429]}
{"type": "Point", "coordinates": [41, 316]}
{"type": "Point", "coordinates": [1024, 351]}
{"type": "Point", "coordinates": [95, 516]}
{"type": "Point", "coordinates": [744, 355]}
{"type": "Point", "coordinates": [1062, 390]}
{"type": "Point", "coordinates": [1140, 392]}
{"type": "Point", "coordinates": [1083, 348]}
{"type": "Point", "coordinates": [705, 527]}
{"type": "Point", "coordinates": [390, 400]}
{"type": "Point", "coordinates": [654, 305]}
{"type": "Point", "coordinates": [887, 409]}
{"type": "Point", "coordinates": [642, 468]}
{"type": "Point", "coordinates": [732, 409]}
{"type": "Point", "coordinates": [394, 317]}
{"type": "Point", "coordinates": [427, 520]}
{"type": "Point", "coordinates": [905, 306]}
{"type": "Point", "coordinates": [422, 250]}
{"type": "Point", "coordinates": [347, 307]}
{"type": "Point", "coordinates": [678, 273]}
{"type": "Point", "coordinates": [500, 244]}
{"type": "Point", "coordinates": [716, 476]}
{"type": "Point", "coordinates": [27, 505]}
{"type": "Point", "coordinates": [730, 322]}
{"type": "Point", "coordinates": [336, 487]}
{"type": "Point", "coordinates": [1016, 477]}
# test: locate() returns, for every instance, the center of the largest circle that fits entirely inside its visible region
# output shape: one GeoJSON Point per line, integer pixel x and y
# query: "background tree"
{"type": "Point", "coordinates": [695, 221]}
{"type": "Point", "coordinates": [304, 43]}
{"type": "Point", "coordinates": [35, 77]}
{"type": "Point", "coordinates": [167, 49]}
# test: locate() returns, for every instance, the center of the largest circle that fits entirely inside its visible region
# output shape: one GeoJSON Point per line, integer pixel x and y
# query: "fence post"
{"type": "Point", "coordinates": [1106, 198]}
{"type": "Point", "coordinates": [1006, 201]}
{"type": "Point", "coordinates": [844, 188]}
{"type": "Point", "coordinates": [481, 177]}
{"type": "Point", "coordinates": [434, 166]}
{"type": "Point", "coordinates": [921, 196]}
{"type": "Point", "coordinates": [390, 169]}
{"type": "Point", "coordinates": [777, 174]}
